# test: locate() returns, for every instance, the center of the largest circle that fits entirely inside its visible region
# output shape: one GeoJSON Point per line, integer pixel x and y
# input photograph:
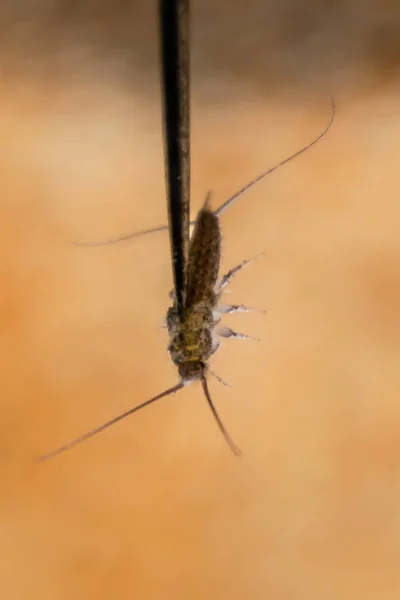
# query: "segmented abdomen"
{"type": "Point", "coordinates": [204, 259]}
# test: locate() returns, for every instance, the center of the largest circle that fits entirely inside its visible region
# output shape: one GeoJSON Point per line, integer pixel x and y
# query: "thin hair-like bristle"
{"type": "Point", "coordinates": [97, 430]}
{"type": "Point", "coordinates": [226, 435]}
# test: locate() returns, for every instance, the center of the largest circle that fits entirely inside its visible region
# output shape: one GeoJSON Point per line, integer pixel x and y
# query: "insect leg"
{"type": "Point", "coordinates": [227, 278]}
{"type": "Point", "coordinates": [225, 309]}
{"type": "Point", "coordinates": [219, 378]}
{"type": "Point", "coordinates": [215, 343]}
{"type": "Point", "coordinates": [226, 332]}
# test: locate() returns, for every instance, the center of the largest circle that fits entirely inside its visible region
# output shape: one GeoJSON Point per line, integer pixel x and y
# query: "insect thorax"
{"type": "Point", "coordinates": [191, 339]}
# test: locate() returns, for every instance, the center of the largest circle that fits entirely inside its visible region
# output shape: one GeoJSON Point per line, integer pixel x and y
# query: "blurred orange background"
{"type": "Point", "coordinates": [157, 507]}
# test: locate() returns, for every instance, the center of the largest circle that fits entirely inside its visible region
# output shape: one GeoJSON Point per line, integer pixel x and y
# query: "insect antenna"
{"type": "Point", "coordinates": [249, 185]}
{"type": "Point", "coordinates": [104, 426]}
{"type": "Point", "coordinates": [121, 238]}
{"type": "Point", "coordinates": [226, 435]}
{"type": "Point", "coordinates": [220, 209]}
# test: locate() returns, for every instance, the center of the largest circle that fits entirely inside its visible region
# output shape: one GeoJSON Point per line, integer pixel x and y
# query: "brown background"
{"type": "Point", "coordinates": [157, 507]}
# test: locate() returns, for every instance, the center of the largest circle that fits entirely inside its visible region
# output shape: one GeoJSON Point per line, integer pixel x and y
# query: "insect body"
{"type": "Point", "coordinates": [191, 337]}
{"type": "Point", "coordinates": [194, 338]}
{"type": "Point", "coordinates": [194, 326]}
{"type": "Point", "coordinates": [193, 319]}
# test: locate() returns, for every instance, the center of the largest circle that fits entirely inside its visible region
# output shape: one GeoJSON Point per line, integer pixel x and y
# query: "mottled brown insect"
{"type": "Point", "coordinates": [194, 327]}
{"type": "Point", "coordinates": [193, 320]}
{"type": "Point", "coordinates": [193, 338]}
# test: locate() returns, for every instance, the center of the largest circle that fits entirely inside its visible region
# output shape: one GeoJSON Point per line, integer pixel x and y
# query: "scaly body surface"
{"type": "Point", "coordinates": [192, 339]}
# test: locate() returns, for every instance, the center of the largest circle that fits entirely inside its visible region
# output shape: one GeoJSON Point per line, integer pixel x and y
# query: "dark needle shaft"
{"type": "Point", "coordinates": [174, 26]}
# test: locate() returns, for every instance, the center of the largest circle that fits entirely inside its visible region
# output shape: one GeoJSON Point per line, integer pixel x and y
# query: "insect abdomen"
{"type": "Point", "coordinates": [204, 258]}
